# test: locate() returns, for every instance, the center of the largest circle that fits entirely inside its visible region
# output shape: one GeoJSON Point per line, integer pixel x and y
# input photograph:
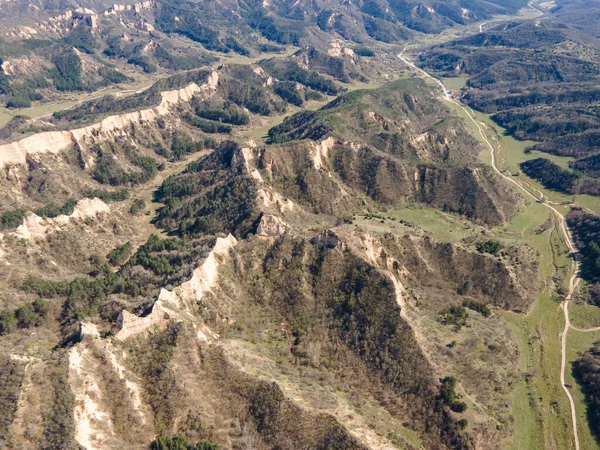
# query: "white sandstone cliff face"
{"type": "Point", "coordinates": [93, 426]}
{"type": "Point", "coordinates": [270, 199]}
{"type": "Point", "coordinates": [273, 200]}
{"type": "Point", "coordinates": [16, 153]}
{"type": "Point", "coordinates": [35, 227]}
{"type": "Point", "coordinates": [177, 304]}
{"type": "Point", "coordinates": [337, 51]}
{"type": "Point", "coordinates": [320, 151]}
{"type": "Point", "coordinates": [270, 226]}
{"type": "Point", "coordinates": [87, 362]}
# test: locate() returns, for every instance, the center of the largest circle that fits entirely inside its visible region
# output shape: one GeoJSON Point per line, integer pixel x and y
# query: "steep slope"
{"type": "Point", "coordinates": [397, 144]}
{"type": "Point", "coordinates": [184, 320]}
{"type": "Point", "coordinates": [233, 299]}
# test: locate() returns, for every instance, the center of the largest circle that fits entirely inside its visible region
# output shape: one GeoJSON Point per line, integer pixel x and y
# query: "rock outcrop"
{"type": "Point", "coordinates": [270, 226]}
{"type": "Point", "coordinates": [34, 226]}
{"type": "Point", "coordinates": [16, 153]}
{"type": "Point", "coordinates": [177, 305]}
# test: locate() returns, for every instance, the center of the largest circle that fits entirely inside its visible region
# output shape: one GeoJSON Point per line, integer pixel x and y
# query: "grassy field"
{"type": "Point", "coordinates": [578, 343]}
{"type": "Point", "coordinates": [68, 100]}
{"type": "Point", "coordinates": [584, 316]}
{"type": "Point", "coordinates": [510, 152]}
{"type": "Point", "coordinates": [420, 220]}
{"type": "Point", "coordinates": [455, 83]}
{"type": "Point", "coordinates": [540, 407]}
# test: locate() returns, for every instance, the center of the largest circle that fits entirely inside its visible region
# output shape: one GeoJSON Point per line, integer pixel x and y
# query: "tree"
{"type": "Point", "coordinates": [118, 255]}
{"type": "Point", "coordinates": [180, 443]}
{"type": "Point", "coordinates": [7, 322]}
{"type": "Point", "coordinates": [491, 247]}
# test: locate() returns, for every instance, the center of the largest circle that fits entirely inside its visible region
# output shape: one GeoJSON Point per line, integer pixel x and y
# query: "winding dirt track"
{"type": "Point", "coordinates": [573, 281]}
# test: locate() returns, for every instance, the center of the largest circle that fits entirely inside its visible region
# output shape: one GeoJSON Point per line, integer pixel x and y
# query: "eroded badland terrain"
{"type": "Point", "coordinates": [299, 225]}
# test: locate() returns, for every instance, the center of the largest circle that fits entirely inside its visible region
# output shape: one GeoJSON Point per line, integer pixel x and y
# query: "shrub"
{"type": "Point", "coordinates": [364, 51]}
{"type": "Point", "coordinates": [180, 443]}
{"type": "Point", "coordinates": [81, 38]}
{"type": "Point", "coordinates": [183, 145]}
{"type": "Point", "coordinates": [455, 315]}
{"type": "Point", "coordinates": [481, 308]}
{"type": "Point", "coordinates": [458, 407]}
{"type": "Point", "coordinates": [287, 91]}
{"type": "Point", "coordinates": [447, 391]}
{"type": "Point", "coordinates": [137, 206]}
{"type": "Point", "coordinates": [29, 315]}
{"type": "Point", "coordinates": [67, 72]}
{"type": "Point", "coordinates": [118, 255]}
{"type": "Point", "coordinates": [143, 62]}
{"type": "Point", "coordinates": [492, 247]}
{"type": "Point", "coordinates": [52, 210]}
{"type": "Point", "coordinates": [449, 396]}
{"type": "Point", "coordinates": [8, 322]}
{"type": "Point", "coordinates": [107, 196]}
{"type": "Point", "coordinates": [11, 219]}
{"type": "Point", "coordinates": [18, 102]}
{"type": "Point", "coordinates": [465, 288]}
{"type": "Point", "coordinates": [229, 113]}
{"type": "Point", "coordinates": [208, 126]}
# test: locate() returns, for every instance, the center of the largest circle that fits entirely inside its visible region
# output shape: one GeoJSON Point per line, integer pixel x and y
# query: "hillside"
{"type": "Point", "coordinates": [251, 225]}
{"type": "Point", "coordinates": [51, 51]}
{"type": "Point", "coordinates": [538, 80]}
{"type": "Point", "coordinates": [426, 156]}
{"type": "Point", "coordinates": [262, 263]}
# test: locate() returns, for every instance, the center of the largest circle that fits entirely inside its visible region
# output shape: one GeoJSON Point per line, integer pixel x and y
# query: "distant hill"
{"type": "Point", "coordinates": [538, 79]}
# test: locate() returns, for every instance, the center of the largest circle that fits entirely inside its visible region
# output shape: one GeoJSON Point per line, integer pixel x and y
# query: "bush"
{"type": "Point", "coordinates": [118, 255]}
{"type": "Point", "coordinates": [29, 315]}
{"type": "Point", "coordinates": [491, 247]}
{"type": "Point", "coordinates": [455, 315]}
{"type": "Point", "coordinates": [208, 126]}
{"type": "Point", "coordinates": [18, 102]}
{"type": "Point", "coordinates": [52, 210]}
{"type": "Point", "coordinates": [229, 113]}
{"type": "Point", "coordinates": [67, 72]}
{"type": "Point", "coordinates": [464, 289]}
{"type": "Point", "coordinates": [180, 443]}
{"type": "Point", "coordinates": [481, 308]}
{"type": "Point", "coordinates": [447, 391]}
{"type": "Point", "coordinates": [183, 145]}
{"type": "Point", "coordinates": [458, 407]}
{"type": "Point", "coordinates": [11, 219]}
{"type": "Point", "coordinates": [449, 396]}
{"type": "Point", "coordinates": [8, 322]}
{"type": "Point", "coordinates": [287, 91]}
{"type": "Point", "coordinates": [107, 196]}
{"type": "Point", "coordinates": [81, 38]}
{"type": "Point", "coordinates": [364, 51]}
{"type": "Point", "coordinates": [137, 206]}
{"type": "Point", "coordinates": [143, 62]}
{"type": "Point", "coordinates": [588, 376]}
{"type": "Point", "coordinates": [107, 171]}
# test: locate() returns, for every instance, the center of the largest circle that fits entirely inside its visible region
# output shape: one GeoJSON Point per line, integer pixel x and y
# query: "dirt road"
{"type": "Point", "coordinates": [573, 281]}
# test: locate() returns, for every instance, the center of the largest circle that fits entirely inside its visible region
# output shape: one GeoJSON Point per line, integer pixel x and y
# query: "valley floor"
{"type": "Point", "coordinates": [543, 416]}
